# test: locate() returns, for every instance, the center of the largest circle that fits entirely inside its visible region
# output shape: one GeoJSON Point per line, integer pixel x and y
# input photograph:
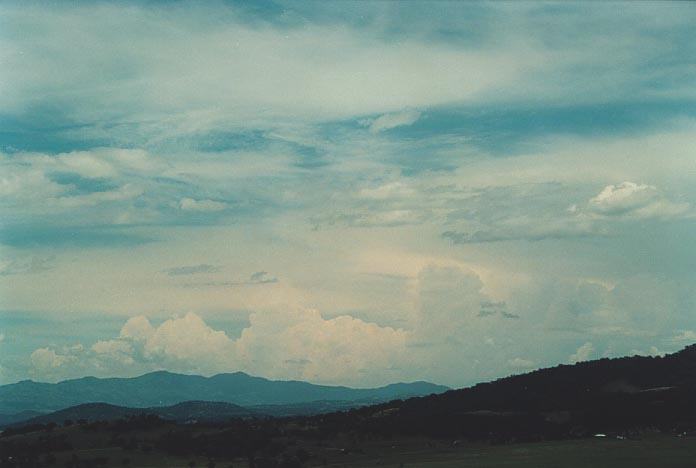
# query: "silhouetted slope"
{"type": "Point", "coordinates": [165, 388]}
{"type": "Point", "coordinates": [603, 395]}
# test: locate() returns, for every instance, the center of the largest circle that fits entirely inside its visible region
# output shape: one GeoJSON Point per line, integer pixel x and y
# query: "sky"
{"type": "Point", "coordinates": [351, 193]}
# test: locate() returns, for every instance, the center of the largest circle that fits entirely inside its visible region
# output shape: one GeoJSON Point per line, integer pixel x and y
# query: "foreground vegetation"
{"type": "Point", "coordinates": [151, 442]}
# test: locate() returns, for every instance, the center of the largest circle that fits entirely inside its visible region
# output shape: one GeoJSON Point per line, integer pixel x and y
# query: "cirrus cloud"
{"type": "Point", "coordinates": [393, 120]}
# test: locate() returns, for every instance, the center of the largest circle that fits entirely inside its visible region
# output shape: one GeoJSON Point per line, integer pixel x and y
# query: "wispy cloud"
{"type": "Point", "coordinates": [393, 120]}
{"type": "Point", "coordinates": [24, 266]}
{"type": "Point", "coordinates": [192, 269]}
{"type": "Point", "coordinates": [260, 277]}
{"type": "Point", "coordinates": [189, 204]}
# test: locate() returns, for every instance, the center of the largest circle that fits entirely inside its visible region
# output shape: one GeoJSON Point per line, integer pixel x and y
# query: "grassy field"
{"type": "Point", "coordinates": [655, 451]}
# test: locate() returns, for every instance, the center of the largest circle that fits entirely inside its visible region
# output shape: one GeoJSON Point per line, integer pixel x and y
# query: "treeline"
{"type": "Point", "coordinates": [264, 443]}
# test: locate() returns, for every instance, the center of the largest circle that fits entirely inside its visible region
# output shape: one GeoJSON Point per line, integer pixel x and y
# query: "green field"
{"type": "Point", "coordinates": [653, 452]}
{"type": "Point", "coordinates": [97, 448]}
{"type": "Point", "coordinates": [656, 451]}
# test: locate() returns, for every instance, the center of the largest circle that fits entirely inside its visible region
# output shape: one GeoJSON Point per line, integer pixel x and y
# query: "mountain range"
{"type": "Point", "coordinates": [161, 389]}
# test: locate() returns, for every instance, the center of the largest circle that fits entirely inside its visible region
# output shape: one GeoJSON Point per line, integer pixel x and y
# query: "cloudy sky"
{"type": "Point", "coordinates": [345, 193]}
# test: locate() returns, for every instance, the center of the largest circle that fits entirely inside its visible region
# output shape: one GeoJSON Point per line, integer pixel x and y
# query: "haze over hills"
{"type": "Point", "coordinates": [165, 389]}
{"type": "Point", "coordinates": [181, 412]}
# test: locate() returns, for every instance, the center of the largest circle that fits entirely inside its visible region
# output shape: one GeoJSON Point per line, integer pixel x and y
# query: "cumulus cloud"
{"type": "Point", "coordinates": [393, 120]}
{"type": "Point", "coordinates": [583, 353]}
{"type": "Point", "coordinates": [635, 200]}
{"type": "Point", "coordinates": [623, 197]}
{"type": "Point", "coordinates": [112, 347]}
{"type": "Point", "coordinates": [618, 316]}
{"type": "Point", "coordinates": [455, 327]}
{"type": "Point", "coordinates": [539, 212]}
{"type": "Point", "coordinates": [341, 349]}
{"type": "Point", "coordinates": [137, 328]}
{"type": "Point", "coordinates": [532, 212]}
{"type": "Point", "coordinates": [260, 122]}
{"type": "Point", "coordinates": [111, 354]}
{"type": "Point", "coordinates": [459, 325]}
{"type": "Point", "coordinates": [47, 363]}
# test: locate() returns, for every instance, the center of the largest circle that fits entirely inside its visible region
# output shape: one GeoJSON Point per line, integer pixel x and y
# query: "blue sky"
{"type": "Point", "coordinates": [344, 192]}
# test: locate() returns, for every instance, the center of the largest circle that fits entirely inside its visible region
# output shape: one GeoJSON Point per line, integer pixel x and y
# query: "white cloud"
{"type": "Point", "coordinates": [635, 200]}
{"type": "Point", "coordinates": [236, 71]}
{"type": "Point", "coordinates": [627, 196]}
{"type": "Point", "coordinates": [189, 204]}
{"type": "Point", "coordinates": [393, 120]}
{"type": "Point", "coordinates": [112, 353]}
{"type": "Point", "coordinates": [137, 328]}
{"type": "Point", "coordinates": [584, 353]}
{"type": "Point", "coordinates": [181, 81]}
{"type": "Point", "coordinates": [85, 163]}
{"type": "Point", "coordinates": [190, 342]}
{"type": "Point", "coordinates": [45, 360]}
{"type": "Point", "coordinates": [112, 347]}
{"type": "Point", "coordinates": [297, 344]}
{"type": "Point", "coordinates": [341, 349]}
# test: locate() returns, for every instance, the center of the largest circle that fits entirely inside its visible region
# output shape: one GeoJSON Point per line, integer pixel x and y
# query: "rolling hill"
{"type": "Point", "coordinates": [209, 411]}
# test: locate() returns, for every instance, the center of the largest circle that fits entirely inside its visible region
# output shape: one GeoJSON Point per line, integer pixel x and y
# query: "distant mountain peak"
{"type": "Point", "coordinates": [165, 388]}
